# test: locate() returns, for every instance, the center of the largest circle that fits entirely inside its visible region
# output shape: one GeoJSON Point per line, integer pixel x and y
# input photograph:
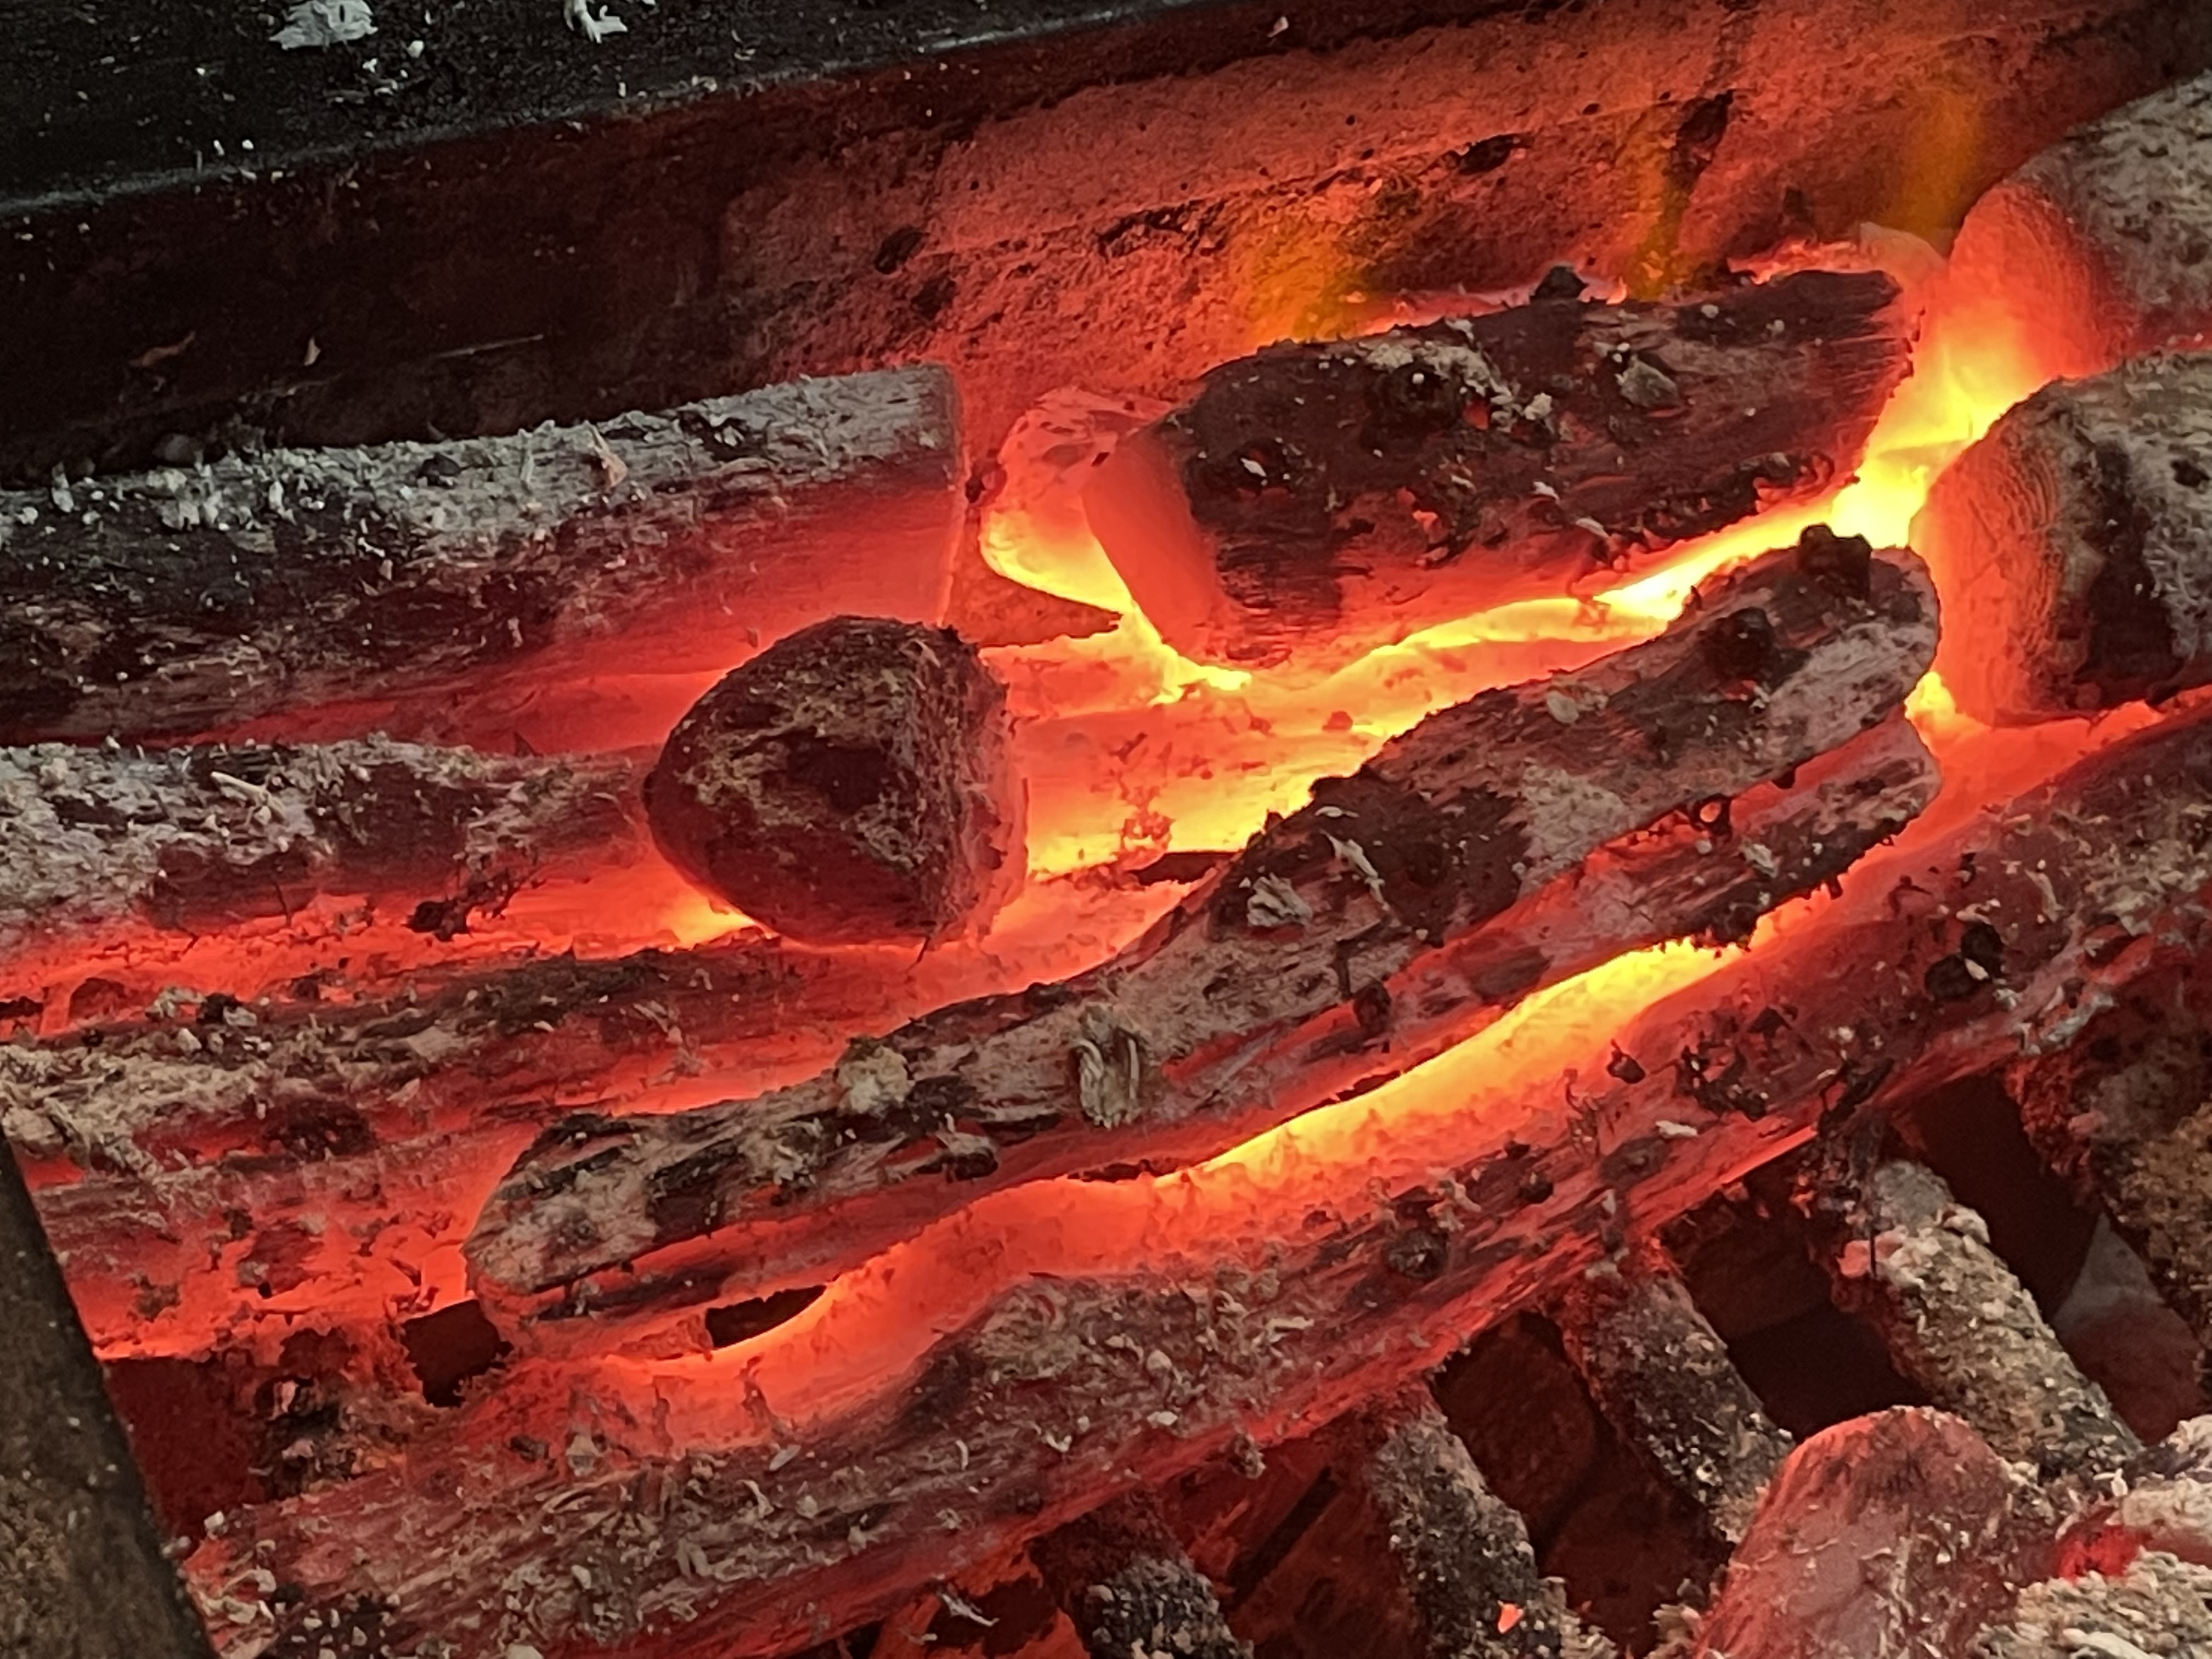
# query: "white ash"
{"type": "Point", "coordinates": [317, 23]}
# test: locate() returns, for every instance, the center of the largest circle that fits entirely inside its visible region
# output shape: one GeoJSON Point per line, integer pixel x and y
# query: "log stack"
{"type": "Point", "coordinates": [1282, 980]}
{"type": "Point", "coordinates": [1067, 1366]}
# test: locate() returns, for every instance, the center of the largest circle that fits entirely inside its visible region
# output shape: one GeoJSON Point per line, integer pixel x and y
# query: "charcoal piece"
{"type": "Point", "coordinates": [1892, 1536]}
{"type": "Point", "coordinates": [2095, 251]}
{"type": "Point", "coordinates": [1913, 1261]}
{"type": "Point", "coordinates": [1314, 501]}
{"type": "Point", "coordinates": [2158, 1605]}
{"type": "Point", "coordinates": [1127, 1585]}
{"type": "Point", "coordinates": [2073, 545]}
{"type": "Point", "coordinates": [2125, 1115]}
{"type": "Point", "coordinates": [184, 601]}
{"type": "Point", "coordinates": [852, 785]}
{"type": "Point", "coordinates": [1663, 1377]}
{"type": "Point", "coordinates": [96, 842]}
{"type": "Point", "coordinates": [1464, 1554]}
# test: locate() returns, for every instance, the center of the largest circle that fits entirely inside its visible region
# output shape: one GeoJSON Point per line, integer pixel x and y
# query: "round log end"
{"type": "Point", "coordinates": [2070, 546]}
{"type": "Point", "coordinates": [852, 785]}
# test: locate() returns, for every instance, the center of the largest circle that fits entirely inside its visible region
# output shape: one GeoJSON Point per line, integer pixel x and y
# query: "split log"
{"type": "Point", "coordinates": [1663, 1378]}
{"type": "Point", "coordinates": [1916, 1265]}
{"type": "Point", "coordinates": [1126, 1583]}
{"type": "Point", "coordinates": [96, 842]}
{"type": "Point", "coordinates": [1465, 1554]}
{"type": "Point", "coordinates": [1314, 501]}
{"type": "Point", "coordinates": [1269, 987]}
{"type": "Point", "coordinates": [850, 785]}
{"type": "Point", "coordinates": [997, 1376]}
{"type": "Point", "coordinates": [2099, 249]}
{"type": "Point", "coordinates": [2125, 1116]}
{"type": "Point", "coordinates": [181, 602]}
{"type": "Point", "coordinates": [1886, 1537]}
{"type": "Point", "coordinates": [2071, 544]}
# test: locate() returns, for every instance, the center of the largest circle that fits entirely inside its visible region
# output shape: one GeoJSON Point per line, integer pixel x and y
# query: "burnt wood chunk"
{"type": "Point", "coordinates": [2073, 546]}
{"type": "Point", "coordinates": [852, 784]}
{"type": "Point", "coordinates": [1033, 1363]}
{"type": "Point", "coordinates": [2099, 249]}
{"type": "Point", "coordinates": [1275, 984]}
{"type": "Point", "coordinates": [1892, 1536]}
{"type": "Point", "coordinates": [1916, 1264]}
{"type": "Point", "coordinates": [1662, 1376]}
{"type": "Point", "coordinates": [1314, 501]}
{"type": "Point", "coordinates": [187, 600]}
{"type": "Point", "coordinates": [1468, 1567]}
{"type": "Point", "coordinates": [97, 841]}
{"type": "Point", "coordinates": [1128, 1587]}
{"type": "Point", "coordinates": [2125, 1115]}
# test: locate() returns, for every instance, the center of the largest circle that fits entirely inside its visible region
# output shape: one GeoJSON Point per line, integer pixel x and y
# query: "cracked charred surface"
{"type": "Point", "coordinates": [94, 842]}
{"type": "Point", "coordinates": [693, 1517]}
{"type": "Point", "coordinates": [1314, 501]}
{"type": "Point", "coordinates": [1275, 984]}
{"type": "Point", "coordinates": [2071, 544]}
{"type": "Point", "coordinates": [184, 601]}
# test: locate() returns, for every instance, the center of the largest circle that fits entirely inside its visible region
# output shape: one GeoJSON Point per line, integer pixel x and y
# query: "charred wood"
{"type": "Point", "coordinates": [1885, 1537]}
{"type": "Point", "coordinates": [95, 842]}
{"type": "Point", "coordinates": [2070, 544]}
{"type": "Point", "coordinates": [850, 785]}
{"type": "Point", "coordinates": [2126, 1115]}
{"type": "Point", "coordinates": [1273, 985]}
{"type": "Point", "coordinates": [2096, 247]}
{"type": "Point", "coordinates": [1465, 1554]}
{"type": "Point", "coordinates": [1126, 1583]}
{"type": "Point", "coordinates": [181, 602]}
{"type": "Point", "coordinates": [1314, 501]}
{"type": "Point", "coordinates": [1910, 1259]}
{"type": "Point", "coordinates": [989, 1381]}
{"type": "Point", "coordinates": [1663, 1377]}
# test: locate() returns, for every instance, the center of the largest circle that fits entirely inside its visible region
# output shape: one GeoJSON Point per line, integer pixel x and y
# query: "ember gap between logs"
{"type": "Point", "coordinates": [1376, 837]}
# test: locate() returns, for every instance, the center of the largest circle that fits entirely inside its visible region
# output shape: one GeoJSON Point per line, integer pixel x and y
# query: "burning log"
{"type": "Point", "coordinates": [1316, 501]}
{"type": "Point", "coordinates": [1129, 1588]}
{"type": "Point", "coordinates": [2070, 545]}
{"type": "Point", "coordinates": [1275, 984]}
{"type": "Point", "coordinates": [995, 1378]}
{"type": "Point", "coordinates": [1662, 1376]}
{"type": "Point", "coordinates": [1465, 1554]}
{"type": "Point", "coordinates": [1886, 1537]}
{"type": "Point", "coordinates": [1915, 1263]}
{"type": "Point", "coordinates": [2126, 1115]}
{"type": "Point", "coordinates": [850, 785]}
{"type": "Point", "coordinates": [2097, 247]}
{"type": "Point", "coordinates": [181, 602]}
{"type": "Point", "coordinates": [94, 841]}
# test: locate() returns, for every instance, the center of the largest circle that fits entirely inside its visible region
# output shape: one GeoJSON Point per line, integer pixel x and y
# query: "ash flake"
{"type": "Point", "coordinates": [318, 24]}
